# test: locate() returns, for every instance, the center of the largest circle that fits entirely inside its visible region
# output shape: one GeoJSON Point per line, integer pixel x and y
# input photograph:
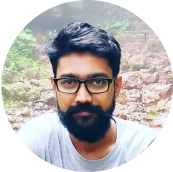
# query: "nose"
{"type": "Point", "coordinates": [83, 96]}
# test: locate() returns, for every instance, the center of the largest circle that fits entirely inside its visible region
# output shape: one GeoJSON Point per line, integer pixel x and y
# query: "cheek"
{"type": "Point", "coordinates": [109, 97]}
{"type": "Point", "coordinates": [64, 101]}
{"type": "Point", "coordinates": [105, 100]}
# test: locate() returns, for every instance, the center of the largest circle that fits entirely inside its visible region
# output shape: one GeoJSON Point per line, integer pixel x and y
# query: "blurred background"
{"type": "Point", "coordinates": [145, 67]}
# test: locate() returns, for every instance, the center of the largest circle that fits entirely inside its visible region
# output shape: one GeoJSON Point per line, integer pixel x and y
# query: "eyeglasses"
{"type": "Point", "coordinates": [93, 85]}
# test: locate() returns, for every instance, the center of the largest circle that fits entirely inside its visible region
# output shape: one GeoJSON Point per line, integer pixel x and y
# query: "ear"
{"type": "Point", "coordinates": [118, 85]}
{"type": "Point", "coordinates": [53, 86]}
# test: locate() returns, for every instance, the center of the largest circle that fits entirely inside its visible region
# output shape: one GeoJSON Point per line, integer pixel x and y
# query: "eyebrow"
{"type": "Point", "coordinates": [93, 75]}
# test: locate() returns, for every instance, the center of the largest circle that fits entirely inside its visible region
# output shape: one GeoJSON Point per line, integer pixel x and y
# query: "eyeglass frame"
{"type": "Point", "coordinates": [84, 82]}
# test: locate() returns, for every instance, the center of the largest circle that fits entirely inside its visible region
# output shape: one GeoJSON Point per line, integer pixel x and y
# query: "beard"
{"type": "Point", "coordinates": [91, 128]}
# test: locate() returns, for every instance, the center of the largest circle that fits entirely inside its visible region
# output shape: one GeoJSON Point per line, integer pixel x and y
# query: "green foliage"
{"type": "Point", "coordinates": [18, 60]}
{"type": "Point", "coordinates": [51, 34]}
{"type": "Point", "coordinates": [152, 69]}
{"type": "Point", "coordinates": [23, 45]}
{"type": "Point", "coordinates": [130, 69]}
{"type": "Point", "coordinates": [19, 57]}
{"type": "Point", "coordinates": [102, 15]}
{"type": "Point", "coordinates": [152, 113]}
{"type": "Point", "coordinates": [115, 27]}
{"type": "Point", "coordinates": [76, 5]}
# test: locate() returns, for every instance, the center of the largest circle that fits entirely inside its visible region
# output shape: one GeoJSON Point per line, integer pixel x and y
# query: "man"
{"type": "Point", "coordinates": [84, 135]}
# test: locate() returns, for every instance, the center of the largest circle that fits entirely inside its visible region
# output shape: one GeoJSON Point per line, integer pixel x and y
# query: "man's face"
{"type": "Point", "coordinates": [86, 116]}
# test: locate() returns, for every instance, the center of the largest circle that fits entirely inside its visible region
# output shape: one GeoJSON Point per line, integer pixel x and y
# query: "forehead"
{"type": "Point", "coordinates": [82, 65]}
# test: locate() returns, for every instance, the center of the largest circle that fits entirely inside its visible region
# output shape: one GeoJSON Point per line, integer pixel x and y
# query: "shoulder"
{"type": "Point", "coordinates": [133, 125]}
{"type": "Point", "coordinates": [42, 122]}
{"type": "Point", "coordinates": [132, 130]}
{"type": "Point", "coordinates": [135, 138]}
{"type": "Point", "coordinates": [40, 129]}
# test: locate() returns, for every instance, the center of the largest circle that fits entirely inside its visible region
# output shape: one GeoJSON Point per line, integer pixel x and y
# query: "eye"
{"type": "Point", "coordinates": [68, 81]}
{"type": "Point", "coordinates": [98, 81]}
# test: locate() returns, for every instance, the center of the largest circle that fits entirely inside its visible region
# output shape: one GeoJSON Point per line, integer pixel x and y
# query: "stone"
{"type": "Point", "coordinates": [137, 62]}
{"type": "Point", "coordinates": [16, 126]}
{"type": "Point", "coordinates": [10, 119]}
{"type": "Point", "coordinates": [131, 80]}
{"type": "Point", "coordinates": [33, 94]}
{"type": "Point", "coordinates": [164, 91]}
{"type": "Point", "coordinates": [149, 78]}
{"type": "Point", "coordinates": [155, 46]}
{"type": "Point", "coordinates": [25, 112]}
{"type": "Point", "coordinates": [31, 74]}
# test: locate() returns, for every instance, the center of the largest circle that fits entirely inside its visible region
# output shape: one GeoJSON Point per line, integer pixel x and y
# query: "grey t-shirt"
{"type": "Point", "coordinates": [46, 137]}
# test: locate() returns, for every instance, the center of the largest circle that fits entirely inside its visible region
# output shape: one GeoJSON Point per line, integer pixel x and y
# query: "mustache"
{"type": "Point", "coordinates": [84, 107]}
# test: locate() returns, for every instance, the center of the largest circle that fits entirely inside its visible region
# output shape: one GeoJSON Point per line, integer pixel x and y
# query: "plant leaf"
{"type": "Point", "coordinates": [152, 113]}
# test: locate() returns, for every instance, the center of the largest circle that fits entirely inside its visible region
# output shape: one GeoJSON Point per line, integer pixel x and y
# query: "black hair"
{"type": "Point", "coordinates": [79, 37]}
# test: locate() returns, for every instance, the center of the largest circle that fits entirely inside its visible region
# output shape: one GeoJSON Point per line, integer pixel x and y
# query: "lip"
{"type": "Point", "coordinates": [83, 113]}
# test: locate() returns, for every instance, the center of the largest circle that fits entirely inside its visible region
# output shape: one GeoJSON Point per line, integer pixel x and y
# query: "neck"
{"type": "Point", "coordinates": [99, 149]}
